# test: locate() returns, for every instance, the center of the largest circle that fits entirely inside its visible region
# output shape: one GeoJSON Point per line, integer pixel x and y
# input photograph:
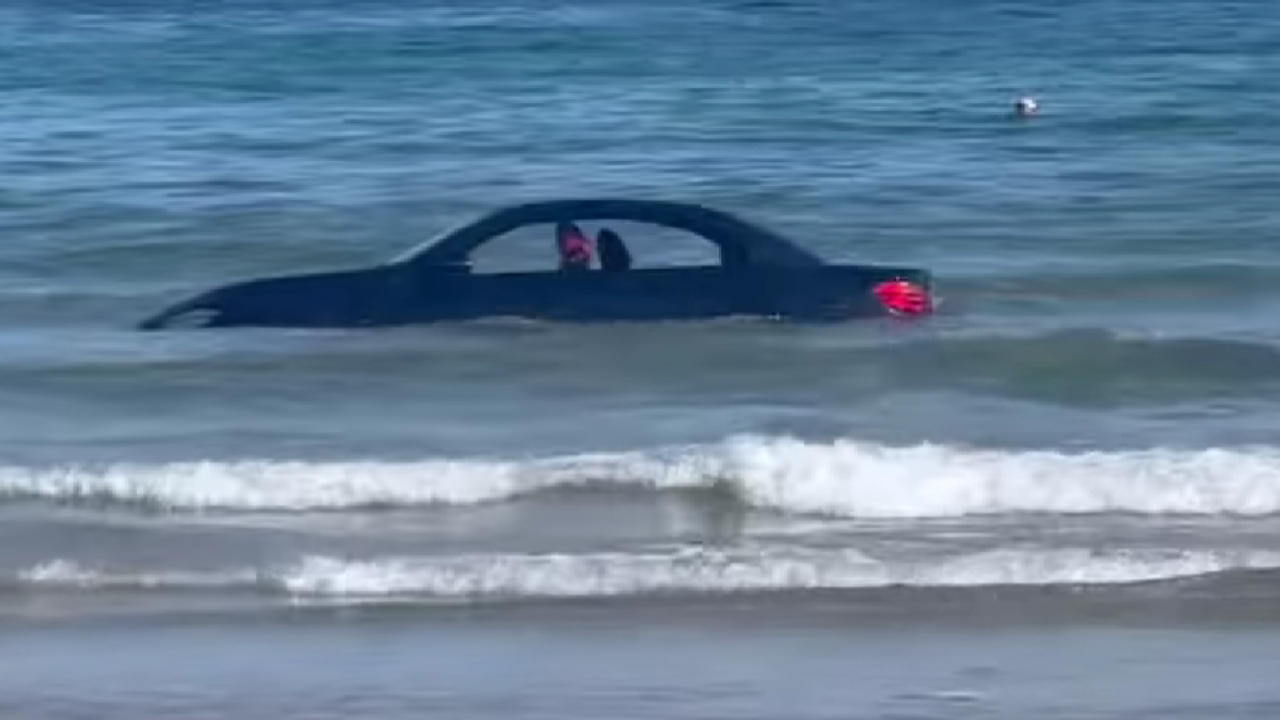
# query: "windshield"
{"type": "Point", "coordinates": [416, 250]}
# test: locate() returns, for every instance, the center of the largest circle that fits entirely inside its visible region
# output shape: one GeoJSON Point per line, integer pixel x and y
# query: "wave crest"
{"type": "Point", "coordinates": [685, 569]}
{"type": "Point", "coordinates": [843, 478]}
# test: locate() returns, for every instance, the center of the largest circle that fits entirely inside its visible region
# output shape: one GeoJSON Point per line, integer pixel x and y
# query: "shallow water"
{"type": "Point", "coordinates": [1059, 498]}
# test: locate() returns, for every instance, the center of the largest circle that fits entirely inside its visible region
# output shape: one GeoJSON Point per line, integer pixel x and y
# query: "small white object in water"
{"type": "Point", "coordinates": [1026, 107]}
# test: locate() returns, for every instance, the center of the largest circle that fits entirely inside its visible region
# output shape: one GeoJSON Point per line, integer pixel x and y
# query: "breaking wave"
{"type": "Point", "coordinates": [844, 478]}
{"type": "Point", "coordinates": [685, 569]}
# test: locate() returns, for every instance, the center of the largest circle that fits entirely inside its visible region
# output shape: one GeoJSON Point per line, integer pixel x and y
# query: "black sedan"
{"type": "Point", "coordinates": [759, 274]}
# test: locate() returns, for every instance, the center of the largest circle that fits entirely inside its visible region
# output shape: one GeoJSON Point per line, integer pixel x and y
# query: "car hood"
{"type": "Point", "coordinates": [265, 294]}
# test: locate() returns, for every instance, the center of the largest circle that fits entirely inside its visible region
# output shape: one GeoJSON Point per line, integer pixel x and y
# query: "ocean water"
{"type": "Point", "coordinates": [1060, 498]}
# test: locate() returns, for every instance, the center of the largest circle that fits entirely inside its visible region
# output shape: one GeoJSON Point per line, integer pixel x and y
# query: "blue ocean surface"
{"type": "Point", "coordinates": [1059, 498]}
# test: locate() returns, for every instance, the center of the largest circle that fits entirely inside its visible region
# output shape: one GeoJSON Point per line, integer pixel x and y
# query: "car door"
{"type": "Point", "coordinates": [463, 295]}
{"type": "Point", "coordinates": [645, 294]}
{"type": "Point", "coordinates": [595, 295]}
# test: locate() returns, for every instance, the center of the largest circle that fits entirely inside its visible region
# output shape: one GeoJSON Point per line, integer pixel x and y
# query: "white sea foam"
{"type": "Point", "coordinates": [845, 478]}
{"type": "Point", "coordinates": [683, 570]}
{"type": "Point", "coordinates": [67, 573]}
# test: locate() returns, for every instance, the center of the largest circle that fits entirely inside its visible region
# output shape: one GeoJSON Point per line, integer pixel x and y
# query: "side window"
{"type": "Point", "coordinates": [532, 248]}
{"type": "Point", "coordinates": [656, 246]}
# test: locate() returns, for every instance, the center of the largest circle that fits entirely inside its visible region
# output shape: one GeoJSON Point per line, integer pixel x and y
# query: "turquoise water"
{"type": "Point", "coordinates": [1082, 442]}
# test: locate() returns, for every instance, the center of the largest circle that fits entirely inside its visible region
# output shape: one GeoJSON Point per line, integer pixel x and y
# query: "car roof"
{"type": "Point", "coordinates": [731, 233]}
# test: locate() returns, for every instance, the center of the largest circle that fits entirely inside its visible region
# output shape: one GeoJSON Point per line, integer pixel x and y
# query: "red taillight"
{"type": "Point", "coordinates": [902, 297]}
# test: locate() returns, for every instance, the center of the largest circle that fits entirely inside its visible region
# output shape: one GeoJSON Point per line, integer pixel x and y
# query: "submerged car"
{"type": "Point", "coordinates": [760, 274]}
